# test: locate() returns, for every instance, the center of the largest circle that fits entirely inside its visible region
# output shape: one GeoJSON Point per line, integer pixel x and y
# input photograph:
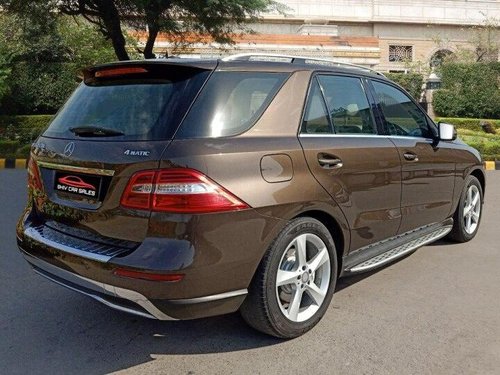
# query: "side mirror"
{"type": "Point", "coordinates": [447, 132]}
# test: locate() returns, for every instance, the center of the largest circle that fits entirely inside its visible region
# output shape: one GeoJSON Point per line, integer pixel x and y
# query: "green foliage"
{"type": "Point", "coordinates": [487, 144]}
{"type": "Point", "coordinates": [8, 148]}
{"type": "Point", "coordinates": [24, 129]}
{"type": "Point", "coordinates": [42, 54]}
{"type": "Point", "coordinates": [469, 90]}
{"type": "Point", "coordinates": [216, 18]}
{"type": "Point", "coordinates": [411, 82]}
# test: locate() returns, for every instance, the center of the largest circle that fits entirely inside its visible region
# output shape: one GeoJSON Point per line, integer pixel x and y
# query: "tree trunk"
{"type": "Point", "coordinates": [152, 34]}
{"type": "Point", "coordinates": [111, 20]}
{"type": "Point", "coordinates": [152, 11]}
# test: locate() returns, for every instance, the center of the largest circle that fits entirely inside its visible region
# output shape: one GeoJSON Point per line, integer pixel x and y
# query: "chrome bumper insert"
{"type": "Point", "coordinates": [114, 296]}
{"type": "Point", "coordinates": [98, 290]}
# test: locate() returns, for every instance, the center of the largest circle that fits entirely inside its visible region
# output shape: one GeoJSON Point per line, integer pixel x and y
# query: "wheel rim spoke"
{"type": "Point", "coordinates": [300, 248]}
{"type": "Point", "coordinates": [467, 209]}
{"type": "Point", "coordinates": [294, 307]}
{"type": "Point", "coordinates": [316, 293]}
{"type": "Point", "coordinates": [319, 259]}
{"type": "Point", "coordinates": [475, 200]}
{"type": "Point", "coordinates": [286, 277]}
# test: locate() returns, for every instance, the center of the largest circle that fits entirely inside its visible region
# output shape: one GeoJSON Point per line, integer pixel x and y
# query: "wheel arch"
{"type": "Point", "coordinates": [335, 230]}
{"type": "Point", "coordinates": [479, 174]}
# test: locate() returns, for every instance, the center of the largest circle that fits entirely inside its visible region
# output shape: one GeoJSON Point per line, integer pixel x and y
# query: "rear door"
{"type": "Point", "coordinates": [358, 168]}
{"type": "Point", "coordinates": [428, 167]}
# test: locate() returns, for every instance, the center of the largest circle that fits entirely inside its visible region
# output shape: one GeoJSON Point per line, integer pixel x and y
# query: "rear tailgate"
{"type": "Point", "coordinates": [119, 121]}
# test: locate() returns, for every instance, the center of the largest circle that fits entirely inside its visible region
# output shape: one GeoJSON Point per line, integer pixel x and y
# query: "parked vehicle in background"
{"type": "Point", "coordinates": [180, 189]}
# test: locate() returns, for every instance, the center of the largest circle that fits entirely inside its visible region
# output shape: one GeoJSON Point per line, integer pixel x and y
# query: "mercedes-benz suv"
{"type": "Point", "coordinates": [180, 189]}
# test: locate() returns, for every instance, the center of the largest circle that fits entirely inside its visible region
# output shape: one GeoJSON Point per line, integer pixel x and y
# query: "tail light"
{"type": "Point", "coordinates": [178, 191]}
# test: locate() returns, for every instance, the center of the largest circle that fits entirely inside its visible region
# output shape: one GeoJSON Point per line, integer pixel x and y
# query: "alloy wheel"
{"type": "Point", "coordinates": [472, 209]}
{"type": "Point", "coordinates": [303, 277]}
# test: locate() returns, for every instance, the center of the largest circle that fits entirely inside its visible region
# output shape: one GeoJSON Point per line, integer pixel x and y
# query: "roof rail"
{"type": "Point", "coordinates": [297, 60]}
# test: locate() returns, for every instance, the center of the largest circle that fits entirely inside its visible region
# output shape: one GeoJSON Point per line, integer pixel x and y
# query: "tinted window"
{"type": "Point", "coordinates": [230, 103]}
{"type": "Point", "coordinates": [346, 100]}
{"type": "Point", "coordinates": [403, 117]}
{"type": "Point", "coordinates": [316, 115]}
{"type": "Point", "coordinates": [141, 109]}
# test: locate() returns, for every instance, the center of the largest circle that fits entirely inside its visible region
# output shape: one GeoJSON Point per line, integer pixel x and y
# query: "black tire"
{"type": "Point", "coordinates": [261, 308]}
{"type": "Point", "coordinates": [459, 232]}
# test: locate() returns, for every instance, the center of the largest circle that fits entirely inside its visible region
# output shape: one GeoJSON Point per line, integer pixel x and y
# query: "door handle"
{"type": "Point", "coordinates": [410, 156]}
{"type": "Point", "coordinates": [329, 161]}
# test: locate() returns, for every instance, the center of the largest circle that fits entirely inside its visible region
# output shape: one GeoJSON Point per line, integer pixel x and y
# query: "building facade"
{"type": "Point", "coordinates": [387, 35]}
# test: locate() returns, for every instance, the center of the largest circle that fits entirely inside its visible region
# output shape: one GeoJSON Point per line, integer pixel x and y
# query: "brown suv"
{"type": "Point", "coordinates": [179, 189]}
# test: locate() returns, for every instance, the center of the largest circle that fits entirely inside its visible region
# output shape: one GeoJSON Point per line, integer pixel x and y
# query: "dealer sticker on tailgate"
{"type": "Point", "coordinates": [79, 184]}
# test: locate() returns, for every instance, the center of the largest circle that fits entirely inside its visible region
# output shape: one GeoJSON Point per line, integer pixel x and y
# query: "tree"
{"type": "Point", "coordinates": [42, 53]}
{"type": "Point", "coordinates": [469, 90]}
{"type": "Point", "coordinates": [215, 18]}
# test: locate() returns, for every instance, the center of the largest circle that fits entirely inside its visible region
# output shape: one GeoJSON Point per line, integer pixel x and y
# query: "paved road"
{"type": "Point", "coordinates": [436, 311]}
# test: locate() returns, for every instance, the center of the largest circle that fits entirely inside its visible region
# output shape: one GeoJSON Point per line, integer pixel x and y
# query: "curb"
{"type": "Point", "coordinates": [22, 164]}
{"type": "Point", "coordinates": [492, 165]}
{"type": "Point", "coordinates": [13, 163]}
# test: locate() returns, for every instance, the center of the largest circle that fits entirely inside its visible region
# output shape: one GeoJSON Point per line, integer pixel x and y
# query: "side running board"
{"type": "Point", "coordinates": [376, 255]}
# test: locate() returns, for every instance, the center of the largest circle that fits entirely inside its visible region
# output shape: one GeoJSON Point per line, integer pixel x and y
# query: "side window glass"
{"type": "Point", "coordinates": [403, 117]}
{"type": "Point", "coordinates": [348, 105]}
{"type": "Point", "coordinates": [316, 116]}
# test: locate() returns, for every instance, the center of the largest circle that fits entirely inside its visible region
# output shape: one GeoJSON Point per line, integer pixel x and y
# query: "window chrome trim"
{"type": "Point", "coordinates": [328, 135]}
{"type": "Point", "coordinates": [73, 168]}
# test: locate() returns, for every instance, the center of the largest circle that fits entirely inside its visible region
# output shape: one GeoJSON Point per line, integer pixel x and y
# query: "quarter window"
{"type": "Point", "coordinates": [347, 103]}
{"type": "Point", "coordinates": [316, 116]}
{"type": "Point", "coordinates": [402, 116]}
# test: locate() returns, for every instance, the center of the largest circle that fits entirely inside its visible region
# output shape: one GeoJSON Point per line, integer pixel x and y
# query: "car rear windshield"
{"type": "Point", "coordinates": [230, 103]}
{"type": "Point", "coordinates": [148, 105]}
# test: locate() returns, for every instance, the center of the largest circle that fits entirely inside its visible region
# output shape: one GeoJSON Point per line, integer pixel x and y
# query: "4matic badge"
{"type": "Point", "coordinates": [137, 152]}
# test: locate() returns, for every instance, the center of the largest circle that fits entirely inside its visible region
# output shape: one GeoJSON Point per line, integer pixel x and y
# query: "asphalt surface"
{"type": "Point", "coordinates": [436, 311]}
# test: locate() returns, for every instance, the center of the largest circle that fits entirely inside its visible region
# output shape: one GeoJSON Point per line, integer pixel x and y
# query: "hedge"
{"type": "Point", "coordinates": [468, 90]}
{"type": "Point", "coordinates": [468, 123]}
{"type": "Point", "coordinates": [24, 129]}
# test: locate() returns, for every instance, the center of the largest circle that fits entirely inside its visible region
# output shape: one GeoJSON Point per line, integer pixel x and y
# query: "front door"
{"type": "Point", "coordinates": [428, 166]}
{"type": "Point", "coordinates": [360, 169]}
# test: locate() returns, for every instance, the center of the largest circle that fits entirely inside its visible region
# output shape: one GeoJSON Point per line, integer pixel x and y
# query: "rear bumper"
{"type": "Point", "coordinates": [135, 303]}
{"type": "Point", "coordinates": [216, 274]}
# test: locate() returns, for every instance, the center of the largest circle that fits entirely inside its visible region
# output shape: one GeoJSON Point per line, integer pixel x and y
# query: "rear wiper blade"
{"type": "Point", "coordinates": [94, 131]}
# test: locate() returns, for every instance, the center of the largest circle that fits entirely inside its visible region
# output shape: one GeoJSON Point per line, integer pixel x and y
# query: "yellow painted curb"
{"type": "Point", "coordinates": [489, 165]}
{"type": "Point", "coordinates": [21, 163]}
{"type": "Point", "coordinates": [2, 163]}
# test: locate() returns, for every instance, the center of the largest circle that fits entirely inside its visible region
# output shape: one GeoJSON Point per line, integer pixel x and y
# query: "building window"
{"type": "Point", "coordinates": [400, 53]}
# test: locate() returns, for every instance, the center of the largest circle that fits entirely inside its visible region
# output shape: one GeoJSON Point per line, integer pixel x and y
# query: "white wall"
{"type": "Point", "coordinates": [459, 12]}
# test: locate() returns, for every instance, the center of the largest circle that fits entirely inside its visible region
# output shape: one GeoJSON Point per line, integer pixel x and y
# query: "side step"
{"type": "Point", "coordinates": [395, 247]}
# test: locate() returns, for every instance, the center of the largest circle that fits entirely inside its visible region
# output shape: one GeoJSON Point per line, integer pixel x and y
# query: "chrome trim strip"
{"type": "Point", "coordinates": [111, 290]}
{"type": "Point", "coordinates": [328, 135]}
{"type": "Point", "coordinates": [73, 168]}
{"type": "Point", "coordinates": [402, 250]}
{"type": "Point", "coordinates": [34, 235]}
{"type": "Point", "coordinates": [214, 297]}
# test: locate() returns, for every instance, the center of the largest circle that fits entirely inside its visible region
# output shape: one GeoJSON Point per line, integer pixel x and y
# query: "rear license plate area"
{"type": "Point", "coordinates": [78, 184]}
